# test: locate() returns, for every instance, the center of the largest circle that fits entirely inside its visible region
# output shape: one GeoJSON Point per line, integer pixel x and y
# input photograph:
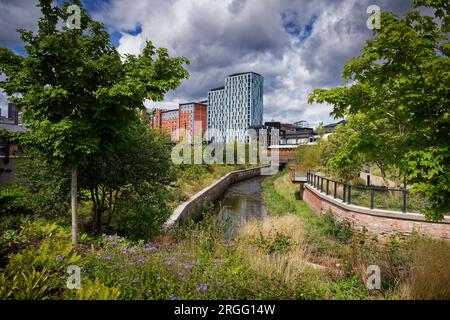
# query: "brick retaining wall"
{"type": "Point", "coordinates": [379, 222]}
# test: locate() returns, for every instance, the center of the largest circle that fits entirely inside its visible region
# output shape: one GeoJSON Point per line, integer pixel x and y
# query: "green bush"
{"type": "Point", "coordinates": [141, 216]}
{"type": "Point", "coordinates": [280, 243]}
{"type": "Point", "coordinates": [11, 241]}
{"type": "Point", "coordinates": [27, 284]}
{"type": "Point", "coordinates": [13, 200]}
{"type": "Point", "coordinates": [340, 230]}
{"type": "Point", "coordinates": [92, 290]}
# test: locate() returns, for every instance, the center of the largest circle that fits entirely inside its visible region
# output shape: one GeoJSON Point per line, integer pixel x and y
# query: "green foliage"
{"type": "Point", "coordinates": [13, 200]}
{"type": "Point", "coordinates": [28, 284]}
{"type": "Point", "coordinates": [130, 185]}
{"type": "Point", "coordinates": [280, 243]}
{"type": "Point", "coordinates": [93, 290]}
{"type": "Point", "coordinates": [141, 215]}
{"type": "Point", "coordinates": [340, 230]}
{"type": "Point", "coordinates": [397, 91]}
{"type": "Point", "coordinates": [308, 156]}
{"type": "Point", "coordinates": [428, 170]}
{"type": "Point", "coordinates": [11, 241]}
{"type": "Point", "coordinates": [46, 183]}
{"type": "Point", "coordinates": [79, 97]}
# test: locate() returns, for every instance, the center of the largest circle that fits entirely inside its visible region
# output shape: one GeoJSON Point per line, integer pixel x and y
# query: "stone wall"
{"type": "Point", "coordinates": [379, 222]}
{"type": "Point", "coordinates": [193, 207]}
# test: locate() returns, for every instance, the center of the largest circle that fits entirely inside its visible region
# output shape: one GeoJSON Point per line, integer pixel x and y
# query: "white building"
{"type": "Point", "coordinates": [235, 107]}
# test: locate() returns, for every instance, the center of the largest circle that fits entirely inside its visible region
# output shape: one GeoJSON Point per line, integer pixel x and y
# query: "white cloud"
{"type": "Point", "coordinates": [226, 36]}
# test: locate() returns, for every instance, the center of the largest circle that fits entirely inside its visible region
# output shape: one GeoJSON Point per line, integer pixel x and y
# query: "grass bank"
{"type": "Point", "coordinates": [412, 267]}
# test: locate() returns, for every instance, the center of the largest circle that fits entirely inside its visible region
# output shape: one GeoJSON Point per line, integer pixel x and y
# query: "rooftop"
{"type": "Point", "coordinates": [219, 88]}
{"type": "Point", "coordinates": [171, 110]}
{"type": "Point", "coordinates": [241, 73]}
{"type": "Point", "coordinates": [333, 125]}
{"type": "Point", "coordinates": [12, 127]}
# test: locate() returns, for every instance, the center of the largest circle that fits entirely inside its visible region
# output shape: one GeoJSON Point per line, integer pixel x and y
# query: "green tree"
{"type": "Point", "coordinates": [402, 76]}
{"type": "Point", "coordinates": [140, 168]}
{"type": "Point", "coordinates": [77, 93]}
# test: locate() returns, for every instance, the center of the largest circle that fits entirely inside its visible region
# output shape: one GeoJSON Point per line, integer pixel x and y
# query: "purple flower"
{"type": "Point", "coordinates": [217, 262]}
{"type": "Point", "coordinates": [183, 279]}
{"type": "Point", "coordinates": [135, 280]}
{"type": "Point", "coordinates": [141, 260]}
{"type": "Point", "coordinates": [149, 247]}
{"type": "Point", "coordinates": [124, 251]}
{"type": "Point", "coordinates": [170, 261]}
{"type": "Point", "coordinates": [105, 257]}
{"type": "Point", "coordinates": [172, 297]}
{"type": "Point", "coordinates": [202, 287]}
{"type": "Point", "coordinates": [59, 258]}
{"type": "Point", "coordinates": [188, 266]}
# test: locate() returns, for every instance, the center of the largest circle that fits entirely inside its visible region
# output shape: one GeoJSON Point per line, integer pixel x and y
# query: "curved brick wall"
{"type": "Point", "coordinates": [380, 222]}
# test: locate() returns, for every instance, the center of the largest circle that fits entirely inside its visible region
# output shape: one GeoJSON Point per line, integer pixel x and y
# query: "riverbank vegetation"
{"type": "Point", "coordinates": [126, 186]}
{"type": "Point", "coordinates": [413, 267]}
{"type": "Point", "coordinates": [395, 101]}
{"type": "Point", "coordinates": [291, 254]}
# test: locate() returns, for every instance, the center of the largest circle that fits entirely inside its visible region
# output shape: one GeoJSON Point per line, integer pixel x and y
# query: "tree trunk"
{"type": "Point", "coordinates": [73, 195]}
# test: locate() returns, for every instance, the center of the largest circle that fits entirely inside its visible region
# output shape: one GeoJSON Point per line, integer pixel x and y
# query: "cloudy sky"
{"type": "Point", "coordinates": [297, 45]}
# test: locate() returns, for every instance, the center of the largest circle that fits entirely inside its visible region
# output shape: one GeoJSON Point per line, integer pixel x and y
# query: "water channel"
{"type": "Point", "coordinates": [241, 202]}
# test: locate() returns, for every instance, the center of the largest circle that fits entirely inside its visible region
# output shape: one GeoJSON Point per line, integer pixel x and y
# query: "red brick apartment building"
{"type": "Point", "coordinates": [189, 118]}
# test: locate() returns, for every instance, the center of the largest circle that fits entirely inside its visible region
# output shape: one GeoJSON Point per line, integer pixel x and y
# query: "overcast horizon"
{"type": "Point", "coordinates": [297, 45]}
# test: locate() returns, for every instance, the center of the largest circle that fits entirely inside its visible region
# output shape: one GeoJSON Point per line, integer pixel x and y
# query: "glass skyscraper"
{"type": "Point", "coordinates": [235, 107]}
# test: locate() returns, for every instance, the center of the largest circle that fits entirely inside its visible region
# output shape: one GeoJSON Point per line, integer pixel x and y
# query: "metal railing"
{"type": "Point", "coordinates": [368, 196]}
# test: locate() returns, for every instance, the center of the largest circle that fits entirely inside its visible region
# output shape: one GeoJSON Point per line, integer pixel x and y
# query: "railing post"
{"type": "Point", "coordinates": [345, 189]}
{"type": "Point", "coordinates": [349, 196]}
{"type": "Point", "coordinates": [335, 189]}
{"type": "Point", "coordinates": [372, 193]}
{"type": "Point", "coordinates": [404, 201]}
{"type": "Point", "coordinates": [321, 184]}
{"type": "Point", "coordinates": [328, 183]}
{"type": "Point", "coordinates": [307, 177]}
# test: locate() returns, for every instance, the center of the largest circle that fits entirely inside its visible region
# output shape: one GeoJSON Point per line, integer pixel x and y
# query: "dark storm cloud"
{"type": "Point", "coordinates": [17, 14]}
{"type": "Point", "coordinates": [297, 45]}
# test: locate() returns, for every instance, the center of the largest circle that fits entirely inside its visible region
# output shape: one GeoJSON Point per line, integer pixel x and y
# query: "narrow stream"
{"type": "Point", "coordinates": [242, 201]}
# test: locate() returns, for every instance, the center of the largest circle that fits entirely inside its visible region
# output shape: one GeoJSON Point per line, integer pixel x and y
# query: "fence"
{"type": "Point", "coordinates": [367, 196]}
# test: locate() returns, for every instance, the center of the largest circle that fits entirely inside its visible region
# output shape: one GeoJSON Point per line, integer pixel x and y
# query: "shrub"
{"type": "Point", "coordinates": [11, 241]}
{"type": "Point", "coordinates": [27, 284]}
{"type": "Point", "coordinates": [340, 230]}
{"type": "Point", "coordinates": [93, 290]}
{"type": "Point", "coordinates": [13, 200]}
{"type": "Point", "coordinates": [141, 216]}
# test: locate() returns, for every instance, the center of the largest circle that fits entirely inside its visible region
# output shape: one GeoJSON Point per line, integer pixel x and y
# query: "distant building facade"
{"type": "Point", "coordinates": [189, 119]}
{"type": "Point", "coordinates": [234, 108]}
{"type": "Point", "coordinates": [283, 134]}
{"type": "Point", "coordinates": [9, 151]}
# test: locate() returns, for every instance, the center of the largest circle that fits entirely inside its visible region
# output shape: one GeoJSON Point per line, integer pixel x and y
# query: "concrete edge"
{"type": "Point", "coordinates": [175, 216]}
